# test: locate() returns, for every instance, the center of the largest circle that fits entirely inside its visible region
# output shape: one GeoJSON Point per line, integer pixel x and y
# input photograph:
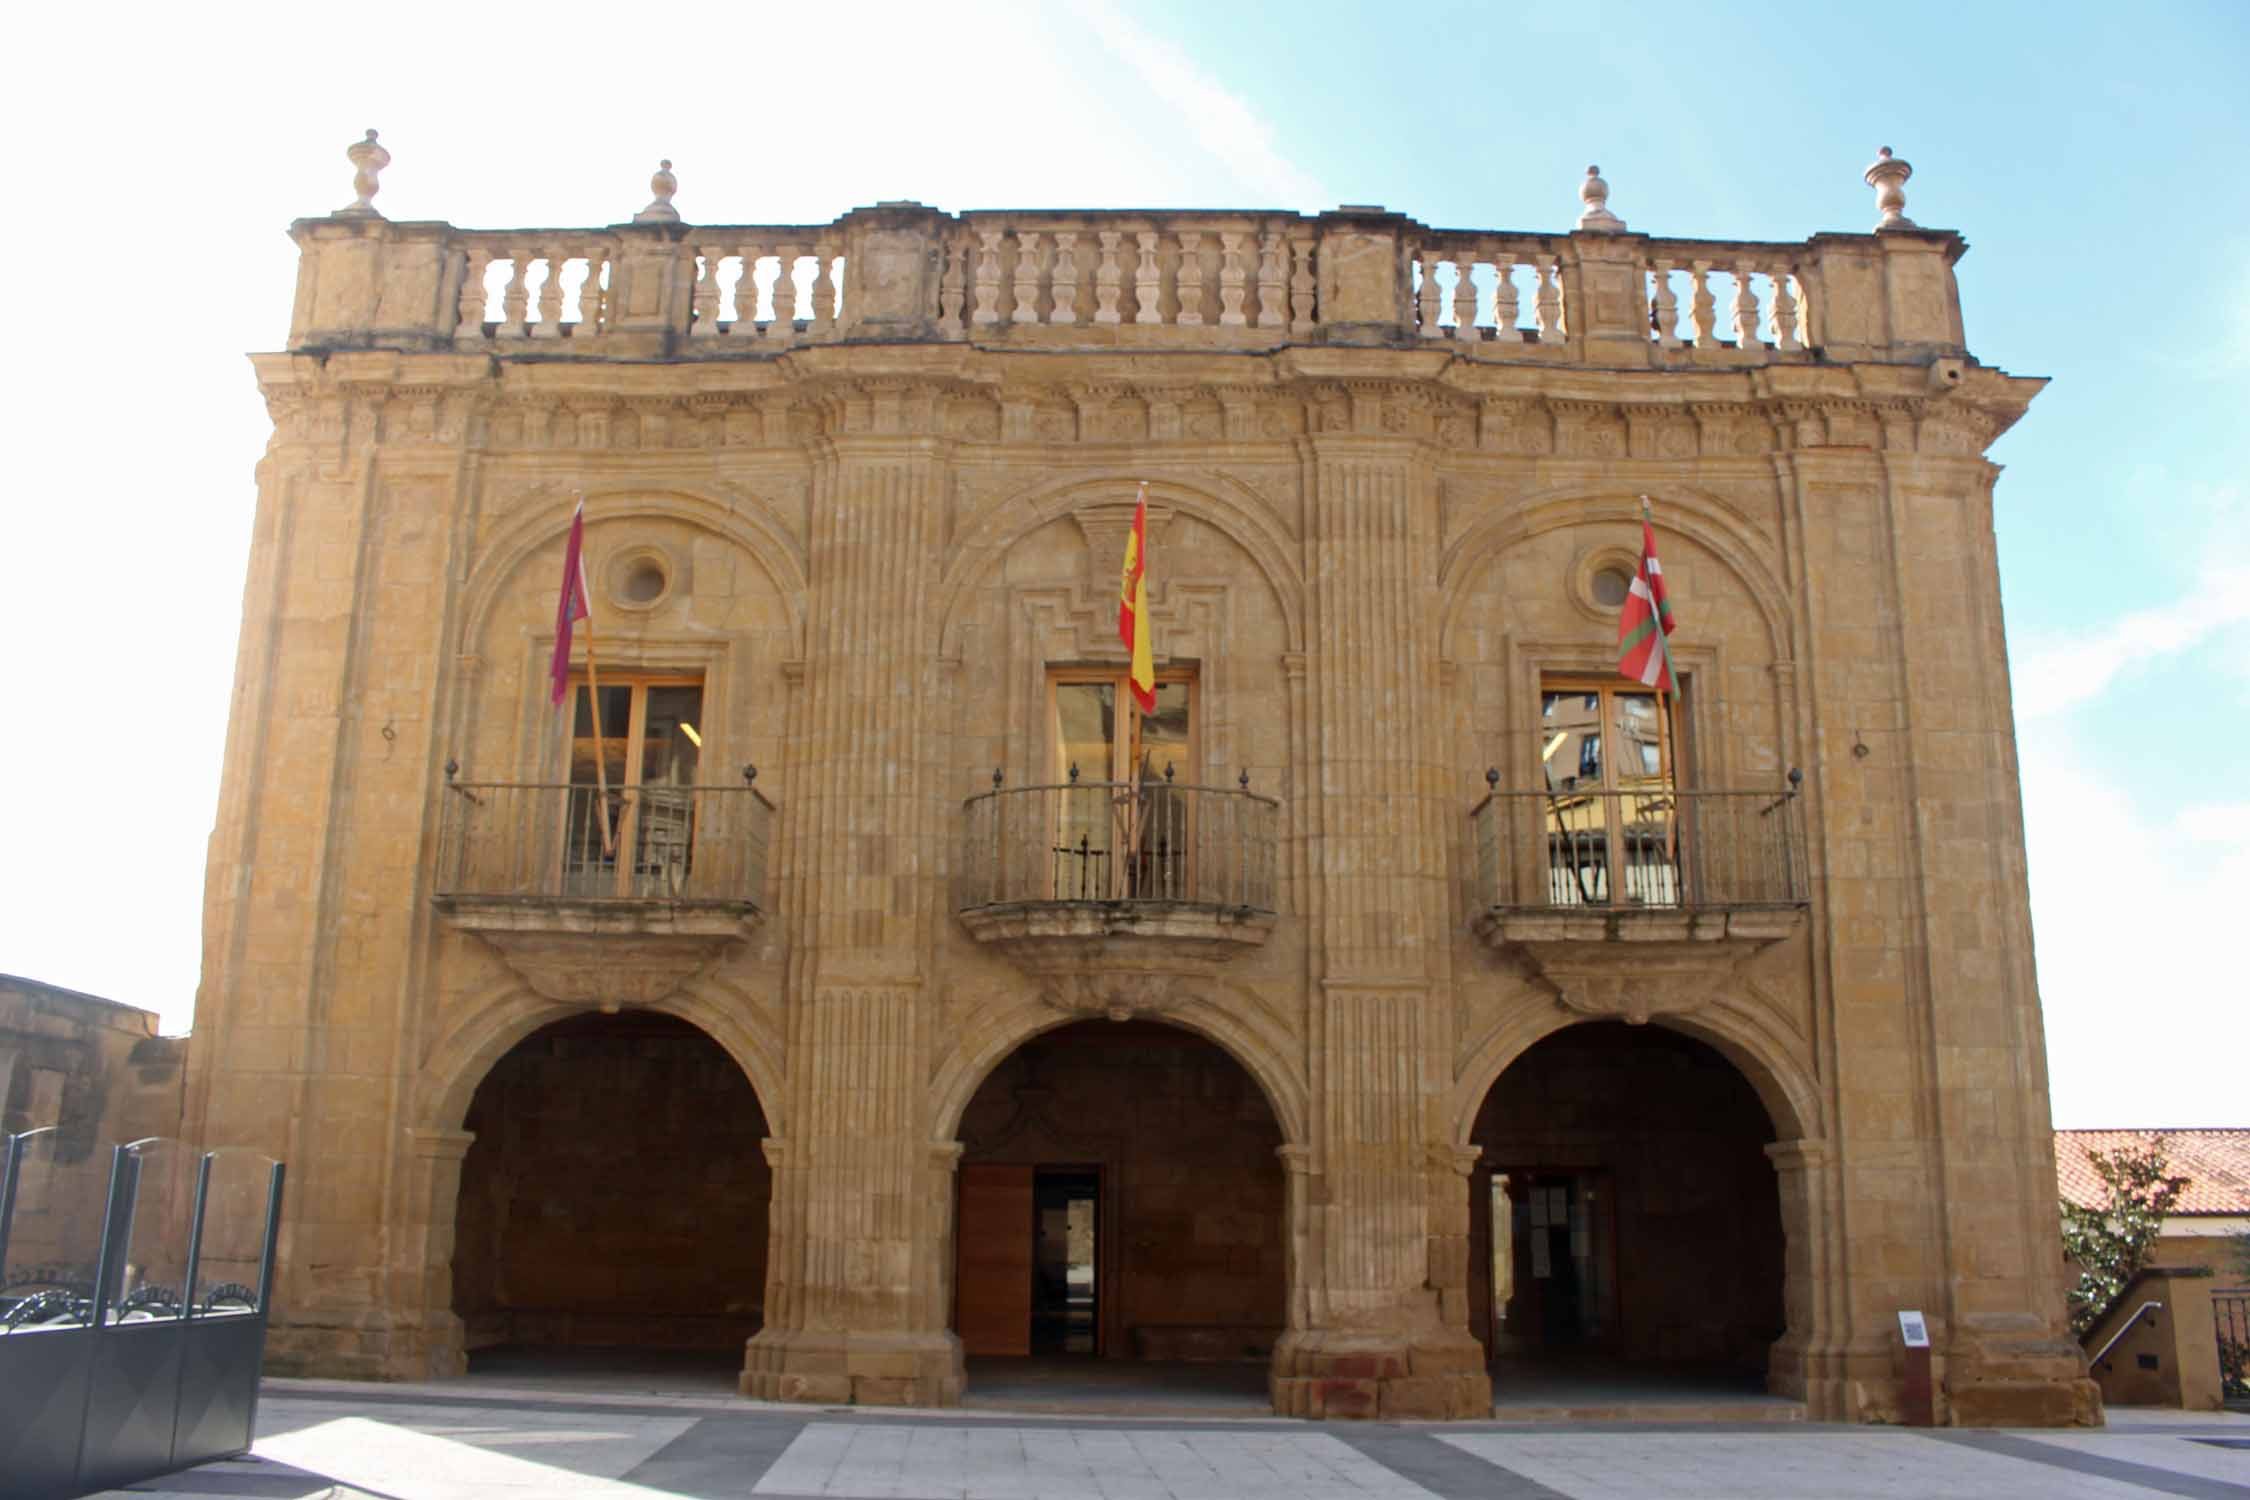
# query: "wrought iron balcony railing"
{"type": "Point", "coordinates": [551, 844]}
{"type": "Point", "coordinates": [1118, 842]}
{"type": "Point", "coordinates": [1639, 848]}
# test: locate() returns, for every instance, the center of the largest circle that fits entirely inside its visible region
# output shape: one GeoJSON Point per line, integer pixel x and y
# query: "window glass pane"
{"type": "Point", "coordinates": [1639, 728]}
{"type": "Point", "coordinates": [1164, 735]}
{"type": "Point", "coordinates": [1085, 729]}
{"type": "Point", "coordinates": [1571, 751]}
{"type": "Point", "coordinates": [617, 722]}
{"type": "Point", "coordinates": [1081, 866]}
{"type": "Point", "coordinates": [1649, 876]}
{"type": "Point", "coordinates": [668, 745]}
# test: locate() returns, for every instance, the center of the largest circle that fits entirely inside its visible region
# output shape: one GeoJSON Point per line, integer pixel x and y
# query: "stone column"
{"type": "Point", "coordinates": [316, 892]}
{"type": "Point", "coordinates": [851, 1312]}
{"type": "Point", "coordinates": [1944, 1179]}
{"type": "Point", "coordinates": [1801, 1364]}
{"type": "Point", "coordinates": [2007, 1358]}
{"type": "Point", "coordinates": [437, 1346]}
{"type": "Point", "coordinates": [1371, 1334]}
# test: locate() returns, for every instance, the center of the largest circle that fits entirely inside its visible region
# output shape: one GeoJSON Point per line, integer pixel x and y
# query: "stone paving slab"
{"type": "Point", "coordinates": [2180, 1452]}
{"type": "Point", "coordinates": [415, 1445]}
{"type": "Point", "coordinates": [1035, 1463]}
{"type": "Point", "coordinates": [1833, 1465]}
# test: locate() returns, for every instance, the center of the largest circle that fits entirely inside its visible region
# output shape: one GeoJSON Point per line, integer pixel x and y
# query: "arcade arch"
{"type": "Point", "coordinates": [614, 1195]}
{"type": "Point", "coordinates": [1121, 1198]}
{"type": "Point", "coordinates": [1625, 1212]}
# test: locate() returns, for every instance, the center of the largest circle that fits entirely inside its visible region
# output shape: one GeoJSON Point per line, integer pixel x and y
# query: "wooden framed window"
{"type": "Point", "coordinates": [649, 751]}
{"type": "Point", "coordinates": [1122, 825]}
{"type": "Point", "coordinates": [1609, 765]}
{"type": "Point", "coordinates": [1097, 730]}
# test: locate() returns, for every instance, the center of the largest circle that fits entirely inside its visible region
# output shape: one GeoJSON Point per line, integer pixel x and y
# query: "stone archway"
{"type": "Point", "coordinates": [1627, 1217]}
{"type": "Point", "coordinates": [1121, 1198]}
{"type": "Point", "coordinates": [613, 1196]}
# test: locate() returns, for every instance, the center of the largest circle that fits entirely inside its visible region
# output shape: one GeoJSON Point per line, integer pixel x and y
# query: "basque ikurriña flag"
{"type": "Point", "coordinates": [1132, 608]}
{"type": "Point", "coordinates": [571, 607]}
{"type": "Point", "coordinates": [1641, 652]}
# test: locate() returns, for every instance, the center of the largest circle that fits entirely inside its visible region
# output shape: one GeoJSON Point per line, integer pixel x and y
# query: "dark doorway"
{"type": "Point", "coordinates": [1065, 1296]}
{"type": "Point", "coordinates": [1623, 1211]}
{"type": "Point", "coordinates": [615, 1197]}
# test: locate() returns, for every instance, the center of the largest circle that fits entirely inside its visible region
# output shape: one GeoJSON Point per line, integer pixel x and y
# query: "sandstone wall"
{"type": "Point", "coordinates": [1372, 533]}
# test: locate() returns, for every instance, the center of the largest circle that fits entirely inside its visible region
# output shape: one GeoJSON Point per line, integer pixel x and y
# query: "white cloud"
{"type": "Point", "coordinates": [2062, 676]}
{"type": "Point", "coordinates": [2069, 674]}
{"type": "Point", "coordinates": [1217, 118]}
{"type": "Point", "coordinates": [2226, 823]}
{"type": "Point", "coordinates": [2139, 964]}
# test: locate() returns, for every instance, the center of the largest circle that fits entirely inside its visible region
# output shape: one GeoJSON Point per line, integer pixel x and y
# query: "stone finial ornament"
{"type": "Point", "coordinates": [368, 160]}
{"type": "Point", "coordinates": [1595, 193]}
{"type": "Point", "coordinates": [1887, 176]}
{"type": "Point", "coordinates": [660, 209]}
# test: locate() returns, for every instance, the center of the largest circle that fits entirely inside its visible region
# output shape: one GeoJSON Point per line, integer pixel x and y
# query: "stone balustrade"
{"type": "Point", "coordinates": [1745, 300]}
{"type": "Point", "coordinates": [1214, 272]}
{"type": "Point", "coordinates": [904, 273]}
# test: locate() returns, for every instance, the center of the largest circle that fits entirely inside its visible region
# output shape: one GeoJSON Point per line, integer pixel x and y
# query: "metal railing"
{"type": "Point", "coordinates": [2231, 1312]}
{"type": "Point", "coordinates": [1638, 848]}
{"type": "Point", "coordinates": [545, 842]}
{"type": "Point", "coordinates": [1119, 841]}
{"type": "Point", "coordinates": [2124, 1328]}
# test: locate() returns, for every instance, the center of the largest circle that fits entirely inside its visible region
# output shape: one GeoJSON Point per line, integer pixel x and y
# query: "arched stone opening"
{"type": "Point", "coordinates": [1121, 1200]}
{"type": "Point", "coordinates": [1626, 1221]}
{"type": "Point", "coordinates": [613, 1199]}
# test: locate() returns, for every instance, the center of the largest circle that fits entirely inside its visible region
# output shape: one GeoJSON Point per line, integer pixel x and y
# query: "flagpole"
{"type": "Point", "coordinates": [1140, 719]}
{"type": "Point", "coordinates": [601, 755]}
{"type": "Point", "coordinates": [1669, 731]}
{"type": "Point", "coordinates": [1131, 863]}
{"type": "Point", "coordinates": [594, 701]}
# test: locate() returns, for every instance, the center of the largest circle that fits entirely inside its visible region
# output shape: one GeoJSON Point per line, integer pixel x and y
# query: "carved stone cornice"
{"type": "Point", "coordinates": [1100, 397]}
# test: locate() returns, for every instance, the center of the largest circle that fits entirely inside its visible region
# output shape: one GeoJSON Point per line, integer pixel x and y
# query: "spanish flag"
{"type": "Point", "coordinates": [1132, 607]}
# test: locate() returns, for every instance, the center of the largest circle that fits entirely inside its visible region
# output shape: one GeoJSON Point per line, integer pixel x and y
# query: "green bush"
{"type": "Point", "coordinates": [2109, 1244]}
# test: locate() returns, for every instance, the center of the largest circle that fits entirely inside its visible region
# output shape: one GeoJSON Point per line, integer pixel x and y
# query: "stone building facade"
{"type": "Point", "coordinates": [1403, 1004]}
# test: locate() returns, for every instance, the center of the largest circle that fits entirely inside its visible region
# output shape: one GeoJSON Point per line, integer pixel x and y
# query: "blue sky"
{"type": "Point", "coordinates": [2091, 155]}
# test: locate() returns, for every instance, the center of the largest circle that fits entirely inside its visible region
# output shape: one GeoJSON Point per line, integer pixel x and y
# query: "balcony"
{"type": "Point", "coordinates": [614, 898]}
{"type": "Point", "coordinates": [1641, 900]}
{"type": "Point", "coordinates": [1096, 886]}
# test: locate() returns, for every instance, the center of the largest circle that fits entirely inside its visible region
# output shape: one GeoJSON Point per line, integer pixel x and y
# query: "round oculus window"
{"type": "Point", "coordinates": [645, 581]}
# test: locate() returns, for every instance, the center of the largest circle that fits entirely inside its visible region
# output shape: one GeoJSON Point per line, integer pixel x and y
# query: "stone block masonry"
{"type": "Point", "coordinates": [856, 494]}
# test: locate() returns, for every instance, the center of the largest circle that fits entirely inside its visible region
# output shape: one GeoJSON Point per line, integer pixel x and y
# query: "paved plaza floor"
{"type": "Point", "coordinates": [466, 1440]}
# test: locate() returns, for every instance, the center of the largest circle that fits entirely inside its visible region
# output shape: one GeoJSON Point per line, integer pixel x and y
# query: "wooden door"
{"type": "Point", "coordinates": [992, 1280]}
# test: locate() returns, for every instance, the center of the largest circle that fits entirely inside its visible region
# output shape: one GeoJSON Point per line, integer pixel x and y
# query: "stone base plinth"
{"type": "Point", "coordinates": [345, 1350]}
{"type": "Point", "coordinates": [1367, 1377]}
{"type": "Point", "coordinates": [2027, 1381]}
{"type": "Point", "coordinates": [862, 1369]}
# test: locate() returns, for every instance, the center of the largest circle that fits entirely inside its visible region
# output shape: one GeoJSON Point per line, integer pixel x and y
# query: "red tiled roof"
{"type": "Point", "coordinates": [2215, 1162]}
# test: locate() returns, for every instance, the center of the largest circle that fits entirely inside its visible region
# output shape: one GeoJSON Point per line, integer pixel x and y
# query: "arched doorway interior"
{"type": "Point", "coordinates": [1625, 1220]}
{"type": "Point", "coordinates": [1121, 1202]}
{"type": "Point", "coordinates": [613, 1205]}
